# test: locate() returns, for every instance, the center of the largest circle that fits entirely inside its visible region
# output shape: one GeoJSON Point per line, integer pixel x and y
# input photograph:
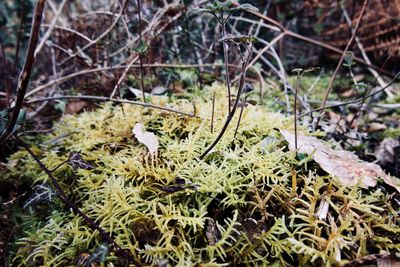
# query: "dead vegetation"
{"type": "Point", "coordinates": [331, 67]}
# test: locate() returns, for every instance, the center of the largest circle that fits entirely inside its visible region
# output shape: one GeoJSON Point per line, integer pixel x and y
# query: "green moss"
{"type": "Point", "coordinates": [391, 133]}
{"type": "Point", "coordinates": [251, 204]}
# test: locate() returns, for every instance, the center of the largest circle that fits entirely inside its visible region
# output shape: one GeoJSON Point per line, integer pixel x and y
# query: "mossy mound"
{"type": "Point", "coordinates": [249, 202]}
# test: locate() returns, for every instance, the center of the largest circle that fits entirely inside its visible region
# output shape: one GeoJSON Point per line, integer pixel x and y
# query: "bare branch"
{"type": "Point", "coordinates": [356, 100]}
{"type": "Point", "coordinates": [26, 71]}
{"type": "Point", "coordinates": [107, 99]}
{"type": "Point", "coordinates": [50, 29]}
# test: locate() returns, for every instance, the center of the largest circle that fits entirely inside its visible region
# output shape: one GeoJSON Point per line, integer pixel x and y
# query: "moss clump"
{"type": "Point", "coordinates": [250, 202]}
{"type": "Point", "coordinates": [391, 133]}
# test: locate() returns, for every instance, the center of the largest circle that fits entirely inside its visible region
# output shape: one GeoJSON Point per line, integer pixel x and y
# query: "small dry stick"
{"type": "Point", "coordinates": [278, 27]}
{"type": "Point", "coordinates": [238, 123]}
{"type": "Point", "coordinates": [356, 100]}
{"type": "Point", "coordinates": [226, 59]}
{"type": "Point", "coordinates": [299, 72]}
{"type": "Point", "coordinates": [105, 33]}
{"type": "Point", "coordinates": [50, 29]}
{"type": "Point", "coordinates": [106, 99]}
{"type": "Point", "coordinates": [126, 69]}
{"type": "Point", "coordinates": [223, 21]}
{"type": "Point", "coordinates": [122, 77]}
{"type": "Point", "coordinates": [26, 71]}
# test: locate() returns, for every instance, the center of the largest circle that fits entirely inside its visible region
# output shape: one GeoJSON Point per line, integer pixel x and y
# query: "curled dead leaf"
{"type": "Point", "coordinates": [146, 138]}
{"type": "Point", "coordinates": [342, 164]}
{"type": "Point", "coordinates": [385, 152]}
{"type": "Point", "coordinates": [388, 262]}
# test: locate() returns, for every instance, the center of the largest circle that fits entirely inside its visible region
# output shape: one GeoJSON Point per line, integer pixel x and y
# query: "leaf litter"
{"type": "Point", "coordinates": [340, 163]}
{"type": "Point", "coordinates": [146, 138]}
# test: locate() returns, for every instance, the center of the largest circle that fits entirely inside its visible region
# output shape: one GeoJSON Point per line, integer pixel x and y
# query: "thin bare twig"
{"type": "Point", "coordinates": [156, 34]}
{"type": "Point", "coordinates": [366, 58]}
{"type": "Point", "coordinates": [105, 33]}
{"type": "Point", "coordinates": [358, 106]}
{"type": "Point", "coordinates": [226, 61]}
{"type": "Point", "coordinates": [295, 108]}
{"type": "Point", "coordinates": [238, 122]}
{"type": "Point", "coordinates": [88, 71]}
{"type": "Point", "coordinates": [50, 29]}
{"type": "Point", "coordinates": [69, 30]}
{"type": "Point", "coordinates": [266, 48]}
{"type": "Point", "coordinates": [26, 71]}
{"type": "Point", "coordinates": [107, 99]}
{"type": "Point", "coordinates": [355, 100]}
{"type": "Point", "coordinates": [280, 28]}
{"type": "Point", "coordinates": [212, 113]}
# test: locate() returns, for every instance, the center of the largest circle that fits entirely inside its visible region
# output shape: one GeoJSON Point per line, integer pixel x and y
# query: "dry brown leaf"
{"type": "Point", "coordinates": [374, 127]}
{"type": "Point", "coordinates": [348, 93]}
{"type": "Point", "coordinates": [385, 152]}
{"type": "Point", "coordinates": [388, 262]}
{"type": "Point", "coordinates": [146, 138]}
{"type": "Point", "coordinates": [342, 164]}
{"type": "Point", "coordinates": [74, 107]}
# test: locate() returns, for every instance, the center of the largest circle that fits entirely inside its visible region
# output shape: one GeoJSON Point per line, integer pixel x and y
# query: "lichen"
{"type": "Point", "coordinates": [245, 203]}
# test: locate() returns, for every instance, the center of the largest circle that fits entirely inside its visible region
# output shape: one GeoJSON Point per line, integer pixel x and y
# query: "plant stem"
{"type": "Point", "coordinates": [226, 62]}
{"type": "Point", "coordinates": [238, 123]}
{"type": "Point", "coordinates": [295, 110]}
{"type": "Point", "coordinates": [356, 100]}
{"type": "Point", "coordinates": [26, 71]}
{"type": "Point", "coordinates": [232, 113]}
{"type": "Point", "coordinates": [212, 114]}
{"type": "Point", "coordinates": [107, 99]}
{"type": "Point", "coordinates": [59, 165]}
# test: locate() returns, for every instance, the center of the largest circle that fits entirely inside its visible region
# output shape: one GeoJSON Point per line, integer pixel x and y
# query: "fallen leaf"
{"type": "Point", "coordinates": [322, 209]}
{"type": "Point", "coordinates": [76, 161]}
{"type": "Point", "coordinates": [146, 138]}
{"type": "Point", "coordinates": [388, 262]}
{"type": "Point", "coordinates": [99, 254]}
{"type": "Point", "coordinates": [74, 107]}
{"type": "Point", "coordinates": [43, 193]}
{"type": "Point", "coordinates": [385, 152]}
{"type": "Point", "coordinates": [159, 90]}
{"type": "Point", "coordinates": [374, 127]}
{"type": "Point", "coordinates": [348, 93]}
{"type": "Point", "coordinates": [137, 93]}
{"type": "Point", "coordinates": [342, 164]}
